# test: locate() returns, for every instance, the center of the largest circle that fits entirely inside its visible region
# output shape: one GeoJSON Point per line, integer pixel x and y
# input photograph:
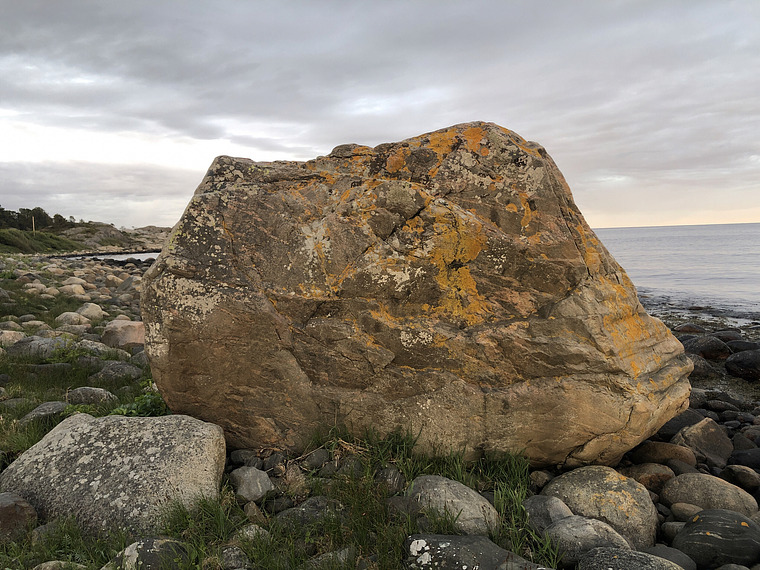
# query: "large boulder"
{"type": "Point", "coordinates": [116, 471]}
{"type": "Point", "coordinates": [446, 284]}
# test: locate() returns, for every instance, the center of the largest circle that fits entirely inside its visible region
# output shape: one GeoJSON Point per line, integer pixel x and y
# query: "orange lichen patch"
{"type": "Point", "coordinates": [329, 177]}
{"type": "Point", "coordinates": [456, 243]}
{"type": "Point", "coordinates": [591, 249]}
{"type": "Point", "coordinates": [527, 212]}
{"type": "Point", "coordinates": [512, 208]}
{"type": "Point", "coordinates": [474, 137]}
{"type": "Point", "coordinates": [397, 160]}
{"type": "Point", "coordinates": [627, 329]}
{"type": "Point", "coordinates": [415, 225]}
{"type": "Point", "coordinates": [442, 141]}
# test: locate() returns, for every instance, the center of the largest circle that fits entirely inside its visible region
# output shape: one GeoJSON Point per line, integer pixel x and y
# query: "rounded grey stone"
{"type": "Point", "coordinates": [473, 513]}
{"type": "Point", "coordinates": [90, 395]}
{"type": "Point", "coordinates": [44, 411]}
{"type": "Point", "coordinates": [707, 492]}
{"type": "Point", "coordinates": [543, 511]}
{"type": "Point", "coordinates": [576, 535]}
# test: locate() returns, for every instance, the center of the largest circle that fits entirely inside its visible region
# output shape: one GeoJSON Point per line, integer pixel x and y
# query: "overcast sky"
{"type": "Point", "coordinates": [113, 110]}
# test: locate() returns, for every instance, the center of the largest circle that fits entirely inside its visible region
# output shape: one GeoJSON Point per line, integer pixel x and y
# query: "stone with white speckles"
{"type": "Point", "coordinates": [117, 471]}
{"type": "Point", "coordinates": [429, 551]}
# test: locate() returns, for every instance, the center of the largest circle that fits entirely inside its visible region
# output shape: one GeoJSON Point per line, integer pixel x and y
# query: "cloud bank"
{"type": "Point", "coordinates": [113, 111]}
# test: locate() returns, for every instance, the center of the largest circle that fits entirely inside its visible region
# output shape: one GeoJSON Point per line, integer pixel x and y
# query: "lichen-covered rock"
{"type": "Point", "coordinates": [116, 471]}
{"type": "Point", "coordinates": [446, 284]}
{"type": "Point", "coordinates": [602, 493]}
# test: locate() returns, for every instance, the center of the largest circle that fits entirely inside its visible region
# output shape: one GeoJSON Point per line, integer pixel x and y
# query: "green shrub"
{"type": "Point", "coordinates": [20, 241]}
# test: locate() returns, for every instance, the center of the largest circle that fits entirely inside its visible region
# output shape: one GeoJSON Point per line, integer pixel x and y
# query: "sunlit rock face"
{"type": "Point", "coordinates": [446, 284]}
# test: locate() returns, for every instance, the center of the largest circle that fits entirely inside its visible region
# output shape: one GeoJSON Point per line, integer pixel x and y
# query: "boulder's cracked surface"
{"type": "Point", "coordinates": [446, 284]}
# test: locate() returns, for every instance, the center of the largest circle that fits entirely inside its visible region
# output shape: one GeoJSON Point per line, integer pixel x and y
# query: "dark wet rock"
{"type": "Point", "coordinates": [744, 364]}
{"type": "Point", "coordinates": [727, 335]}
{"type": "Point", "coordinates": [707, 347]}
{"type": "Point", "coordinates": [721, 406]}
{"type": "Point", "coordinates": [742, 442]}
{"type": "Point", "coordinates": [716, 536]}
{"type": "Point", "coordinates": [672, 427]}
{"type": "Point", "coordinates": [610, 558]}
{"type": "Point", "coordinates": [708, 441]}
{"type": "Point", "coordinates": [17, 517]}
{"type": "Point", "coordinates": [672, 554]}
{"type": "Point", "coordinates": [704, 369]}
{"type": "Point", "coordinates": [742, 476]}
{"type": "Point", "coordinates": [690, 328]}
{"type": "Point", "coordinates": [742, 345]}
{"type": "Point", "coordinates": [748, 457]}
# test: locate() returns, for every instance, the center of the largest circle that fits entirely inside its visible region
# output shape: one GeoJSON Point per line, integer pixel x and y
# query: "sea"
{"type": "Point", "coordinates": [710, 271]}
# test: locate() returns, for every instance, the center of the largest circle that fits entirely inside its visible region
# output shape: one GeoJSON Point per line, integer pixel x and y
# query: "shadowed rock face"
{"type": "Point", "coordinates": [445, 284]}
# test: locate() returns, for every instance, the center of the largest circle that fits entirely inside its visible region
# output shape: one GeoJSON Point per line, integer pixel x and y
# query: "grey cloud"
{"type": "Point", "coordinates": [627, 87]}
{"type": "Point", "coordinates": [123, 194]}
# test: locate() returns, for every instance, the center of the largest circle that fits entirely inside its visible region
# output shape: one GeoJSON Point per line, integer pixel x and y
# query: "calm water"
{"type": "Point", "coordinates": [118, 256]}
{"type": "Point", "coordinates": [715, 267]}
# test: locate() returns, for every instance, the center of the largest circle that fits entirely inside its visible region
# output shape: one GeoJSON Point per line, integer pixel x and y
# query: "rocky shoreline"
{"type": "Point", "coordinates": [686, 498]}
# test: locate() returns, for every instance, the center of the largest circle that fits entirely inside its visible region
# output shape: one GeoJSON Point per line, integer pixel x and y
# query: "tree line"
{"type": "Point", "coordinates": [34, 218]}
